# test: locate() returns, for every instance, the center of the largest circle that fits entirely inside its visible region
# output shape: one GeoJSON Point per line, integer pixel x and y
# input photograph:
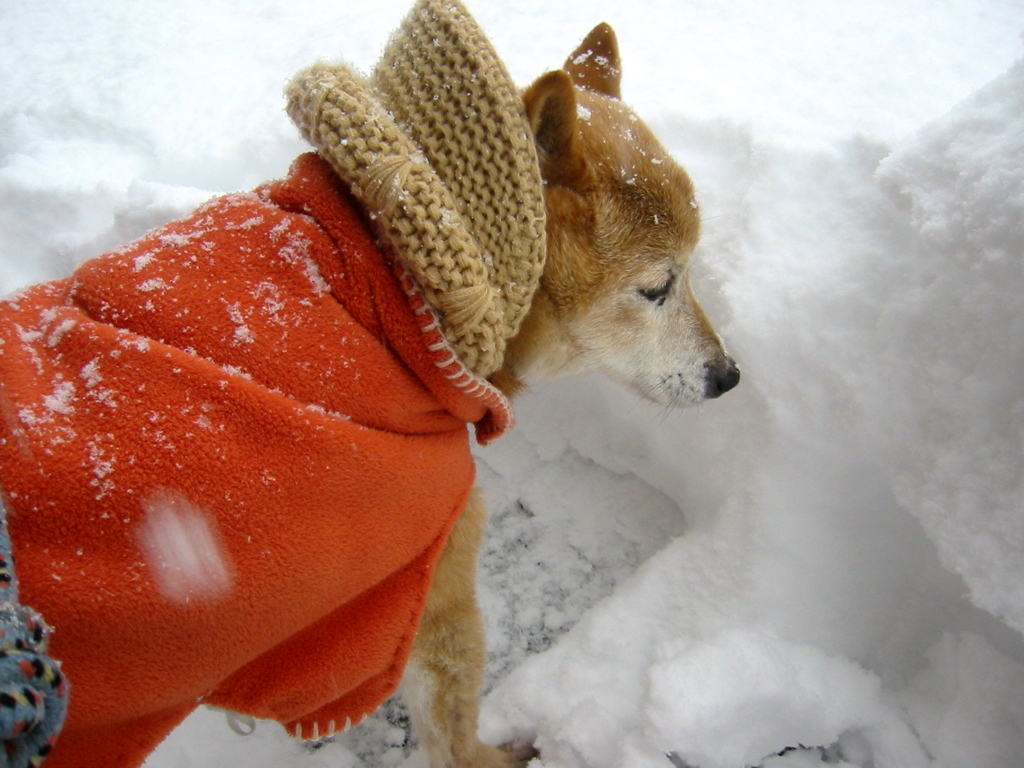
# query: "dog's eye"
{"type": "Point", "coordinates": [659, 294]}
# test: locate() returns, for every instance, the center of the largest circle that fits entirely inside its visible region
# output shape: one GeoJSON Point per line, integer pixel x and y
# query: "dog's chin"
{"type": "Point", "coordinates": [672, 390]}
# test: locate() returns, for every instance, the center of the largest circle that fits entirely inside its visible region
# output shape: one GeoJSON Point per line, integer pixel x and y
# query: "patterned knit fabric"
{"type": "Point", "coordinates": [33, 691]}
{"type": "Point", "coordinates": [437, 146]}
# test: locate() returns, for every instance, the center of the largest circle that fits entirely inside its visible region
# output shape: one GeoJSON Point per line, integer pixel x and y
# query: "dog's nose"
{"type": "Point", "coordinates": [721, 378]}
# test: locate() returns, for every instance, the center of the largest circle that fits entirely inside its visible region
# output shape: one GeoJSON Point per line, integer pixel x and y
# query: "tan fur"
{"type": "Point", "coordinates": [614, 296]}
{"type": "Point", "coordinates": [442, 685]}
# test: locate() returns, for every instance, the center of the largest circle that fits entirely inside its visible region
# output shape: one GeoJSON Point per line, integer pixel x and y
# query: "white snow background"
{"type": "Point", "coordinates": [824, 567]}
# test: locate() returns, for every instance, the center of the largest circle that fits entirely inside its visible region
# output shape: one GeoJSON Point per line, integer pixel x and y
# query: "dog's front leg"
{"type": "Point", "coordinates": [446, 671]}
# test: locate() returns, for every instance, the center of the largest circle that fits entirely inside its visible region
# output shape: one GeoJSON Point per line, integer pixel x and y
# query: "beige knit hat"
{"type": "Point", "coordinates": [437, 146]}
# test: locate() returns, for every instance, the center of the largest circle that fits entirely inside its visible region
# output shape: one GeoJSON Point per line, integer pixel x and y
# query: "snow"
{"type": "Point", "coordinates": [959, 456]}
{"type": "Point", "coordinates": [825, 566]}
{"type": "Point", "coordinates": [182, 550]}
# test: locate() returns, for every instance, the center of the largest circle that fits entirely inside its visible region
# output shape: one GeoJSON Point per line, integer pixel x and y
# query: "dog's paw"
{"type": "Point", "coordinates": [518, 755]}
{"type": "Point", "coordinates": [505, 756]}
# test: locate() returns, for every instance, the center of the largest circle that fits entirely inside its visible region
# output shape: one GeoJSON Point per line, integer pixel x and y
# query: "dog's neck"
{"type": "Point", "coordinates": [437, 146]}
{"type": "Point", "coordinates": [540, 350]}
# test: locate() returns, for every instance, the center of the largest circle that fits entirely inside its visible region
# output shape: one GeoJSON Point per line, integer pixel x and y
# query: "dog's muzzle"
{"type": "Point", "coordinates": [719, 378]}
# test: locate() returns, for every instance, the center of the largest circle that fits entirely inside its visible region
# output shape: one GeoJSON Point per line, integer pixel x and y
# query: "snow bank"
{"type": "Point", "coordinates": [956, 343]}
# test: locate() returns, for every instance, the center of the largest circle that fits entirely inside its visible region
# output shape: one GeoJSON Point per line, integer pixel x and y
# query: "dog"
{"type": "Point", "coordinates": [614, 297]}
{"type": "Point", "coordinates": [194, 429]}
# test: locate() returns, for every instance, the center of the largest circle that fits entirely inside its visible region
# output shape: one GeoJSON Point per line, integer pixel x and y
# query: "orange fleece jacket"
{"type": "Point", "coordinates": [232, 452]}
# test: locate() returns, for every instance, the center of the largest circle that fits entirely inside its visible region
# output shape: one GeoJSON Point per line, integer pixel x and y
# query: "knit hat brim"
{"type": "Point", "coordinates": [437, 147]}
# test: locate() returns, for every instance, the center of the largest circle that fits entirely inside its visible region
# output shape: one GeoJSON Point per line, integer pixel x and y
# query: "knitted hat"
{"type": "Point", "coordinates": [437, 146]}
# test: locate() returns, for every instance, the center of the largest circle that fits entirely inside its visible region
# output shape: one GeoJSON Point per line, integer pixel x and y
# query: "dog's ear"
{"type": "Point", "coordinates": [551, 109]}
{"type": "Point", "coordinates": [595, 64]}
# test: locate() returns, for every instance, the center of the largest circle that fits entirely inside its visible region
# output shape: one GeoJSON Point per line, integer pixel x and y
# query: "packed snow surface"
{"type": "Point", "coordinates": [824, 567]}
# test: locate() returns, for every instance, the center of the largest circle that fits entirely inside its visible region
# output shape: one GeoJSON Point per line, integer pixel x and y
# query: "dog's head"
{"type": "Point", "coordinates": [615, 295]}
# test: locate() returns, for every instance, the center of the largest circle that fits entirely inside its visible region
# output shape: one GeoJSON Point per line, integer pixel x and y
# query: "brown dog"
{"type": "Point", "coordinates": [614, 297]}
{"type": "Point", "coordinates": [234, 452]}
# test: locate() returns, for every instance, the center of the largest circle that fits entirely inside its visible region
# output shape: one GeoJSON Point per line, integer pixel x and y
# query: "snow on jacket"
{"type": "Point", "coordinates": [232, 452]}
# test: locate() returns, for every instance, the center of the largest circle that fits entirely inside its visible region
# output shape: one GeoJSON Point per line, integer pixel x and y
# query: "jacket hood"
{"type": "Point", "coordinates": [436, 145]}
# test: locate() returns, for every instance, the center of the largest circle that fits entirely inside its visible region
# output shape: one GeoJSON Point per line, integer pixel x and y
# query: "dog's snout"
{"type": "Point", "coordinates": [721, 378]}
